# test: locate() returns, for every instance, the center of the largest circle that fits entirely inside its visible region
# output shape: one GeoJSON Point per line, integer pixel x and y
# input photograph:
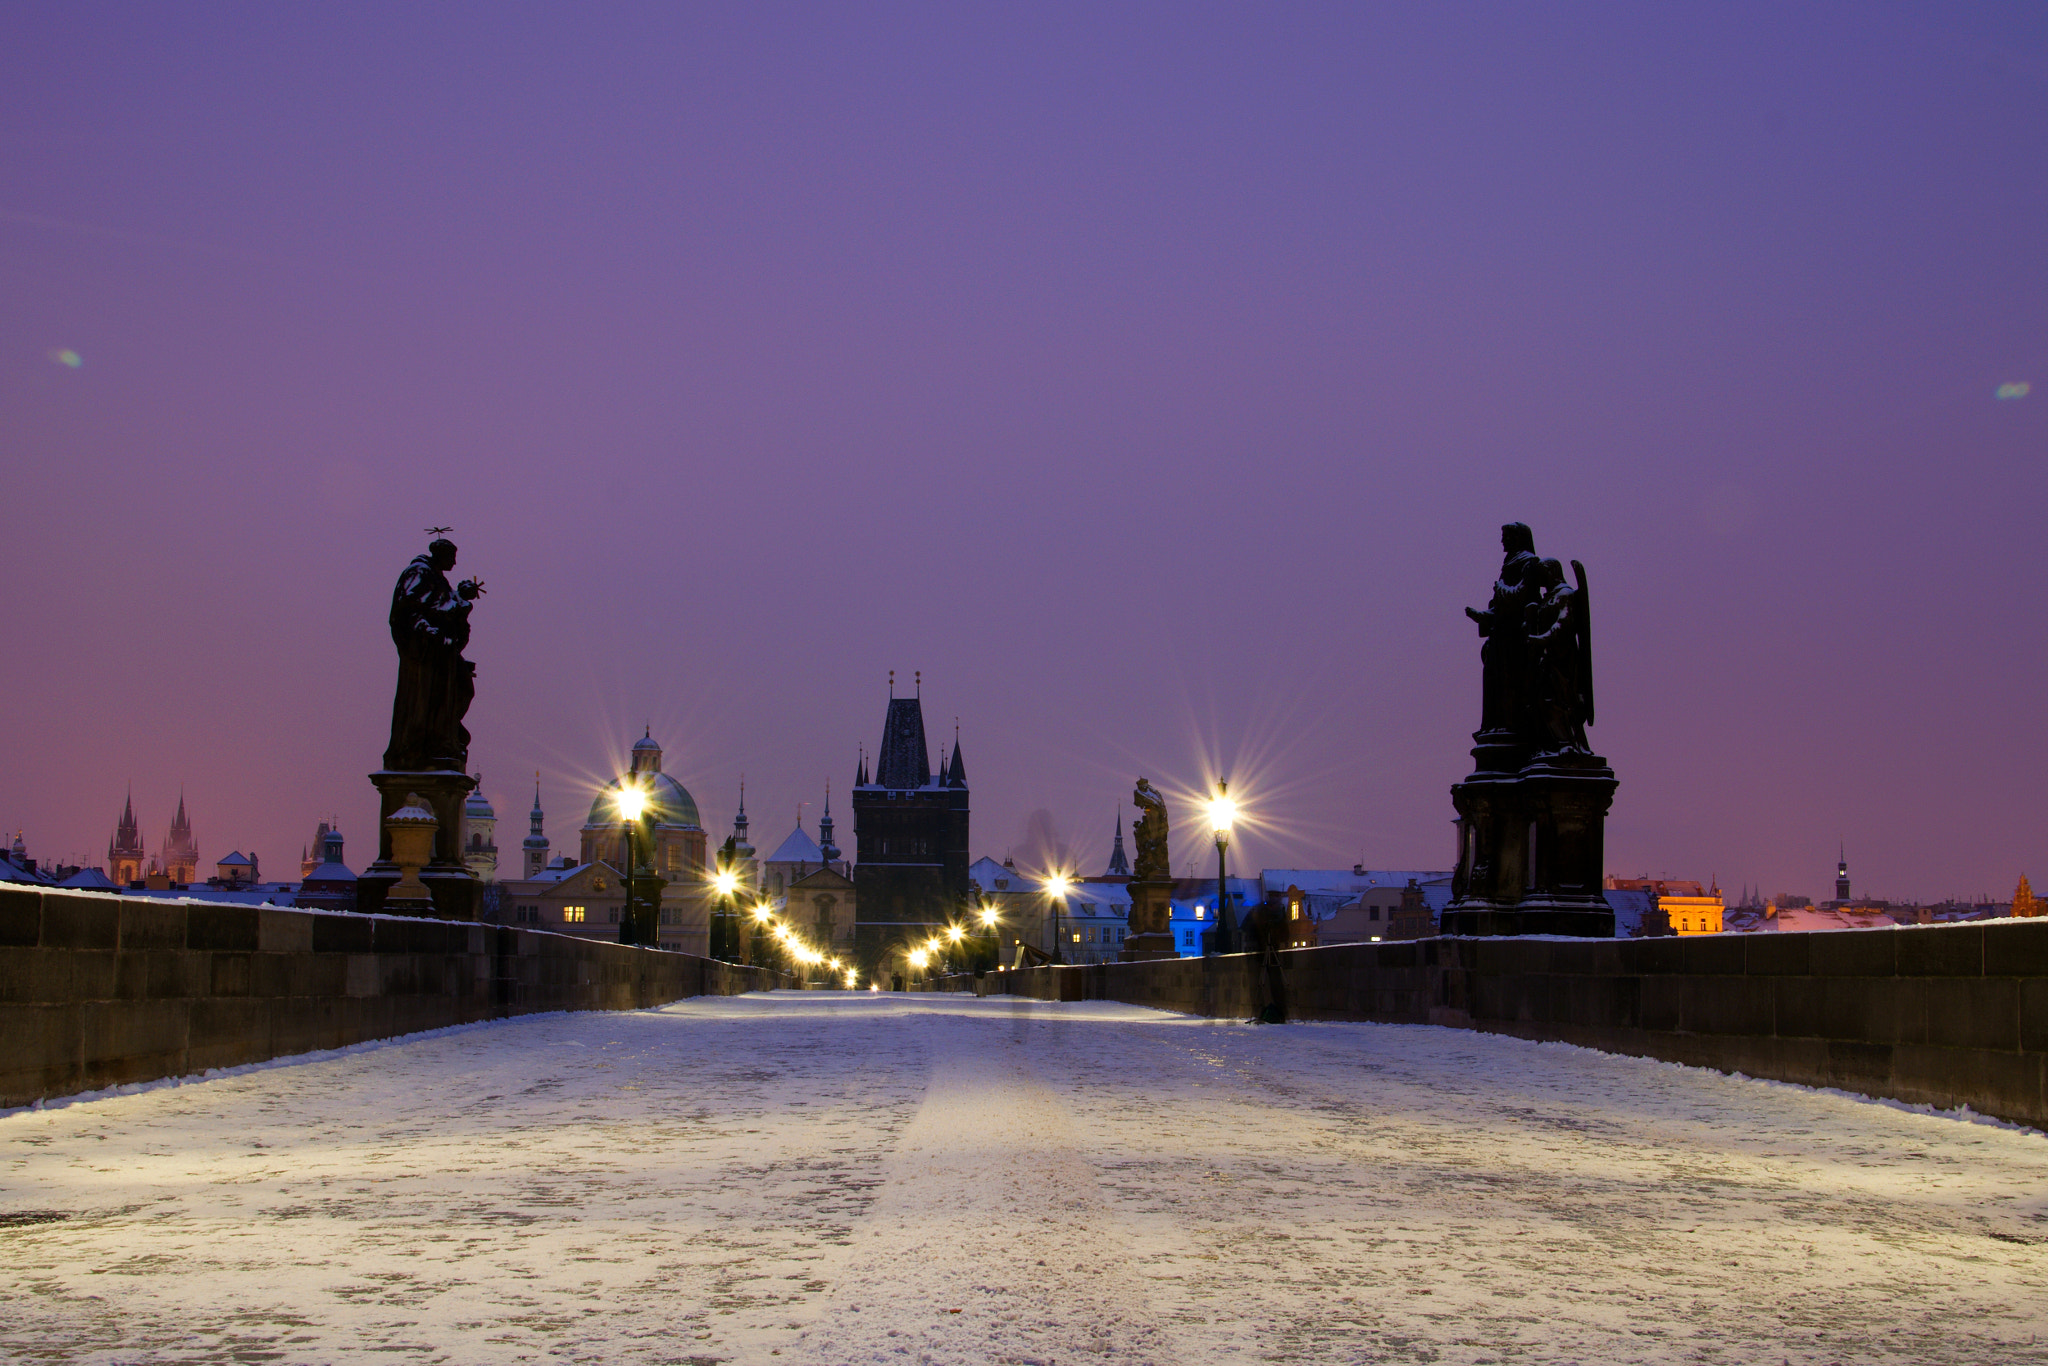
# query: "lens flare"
{"type": "Point", "coordinates": [71, 360]}
{"type": "Point", "coordinates": [631, 801]}
{"type": "Point", "coordinates": [2016, 389]}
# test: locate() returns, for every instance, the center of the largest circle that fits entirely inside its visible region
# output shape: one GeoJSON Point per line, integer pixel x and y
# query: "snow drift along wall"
{"type": "Point", "coordinates": [1944, 1015]}
{"type": "Point", "coordinates": [99, 990]}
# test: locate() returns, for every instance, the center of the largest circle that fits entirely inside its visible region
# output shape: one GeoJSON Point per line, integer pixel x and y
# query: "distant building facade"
{"type": "Point", "coordinates": [238, 870]}
{"type": "Point", "coordinates": [587, 897]}
{"type": "Point", "coordinates": [328, 885]}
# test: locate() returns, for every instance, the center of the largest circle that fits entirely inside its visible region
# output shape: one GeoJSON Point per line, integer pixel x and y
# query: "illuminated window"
{"type": "Point", "coordinates": [572, 915]}
{"type": "Point", "coordinates": [1294, 910]}
{"type": "Point", "coordinates": [1077, 936]}
{"type": "Point", "coordinates": [1199, 912]}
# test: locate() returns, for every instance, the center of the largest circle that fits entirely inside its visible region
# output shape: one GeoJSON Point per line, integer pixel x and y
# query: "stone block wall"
{"type": "Point", "coordinates": [99, 990]}
{"type": "Point", "coordinates": [1945, 1015]}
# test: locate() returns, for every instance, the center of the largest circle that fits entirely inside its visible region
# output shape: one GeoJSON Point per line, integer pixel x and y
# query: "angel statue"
{"type": "Point", "coordinates": [1560, 660]}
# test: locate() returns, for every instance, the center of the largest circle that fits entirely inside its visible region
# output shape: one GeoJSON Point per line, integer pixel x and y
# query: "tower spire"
{"type": "Point", "coordinates": [825, 844]}
{"type": "Point", "coordinates": [535, 846]}
{"type": "Point", "coordinates": [1119, 865]}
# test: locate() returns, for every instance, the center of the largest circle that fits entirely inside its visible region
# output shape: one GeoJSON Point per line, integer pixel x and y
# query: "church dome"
{"type": "Point", "coordinates": [477, 808]}
{"type": "Point", "coordinates": [668, 802]}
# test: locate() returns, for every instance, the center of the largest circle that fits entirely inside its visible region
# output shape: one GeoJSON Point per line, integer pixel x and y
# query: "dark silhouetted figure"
{"type": "Point", "coordinates": [430, 627]}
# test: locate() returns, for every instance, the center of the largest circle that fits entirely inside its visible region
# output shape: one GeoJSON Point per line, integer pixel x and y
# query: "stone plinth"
{"type": "Point", "coordinates": [448, 880]}
{"type": "Point", "coordinates": [1151, 923]}
{"type": "Point", "coordinates": [1531, 847]}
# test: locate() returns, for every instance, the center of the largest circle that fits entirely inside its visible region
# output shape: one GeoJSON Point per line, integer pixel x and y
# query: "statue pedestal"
{"type": "Point", "coordinates": [1151, 925]}
{"type": "Point", "coordinates": [448, 880]}
{"type": "Point", "coordinates": [1531, 850]}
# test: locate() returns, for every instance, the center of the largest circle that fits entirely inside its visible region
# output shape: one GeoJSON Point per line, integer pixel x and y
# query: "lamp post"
{"type": "Point", "coordinates": [631, 802]}
{"type": "Point", "coordinates": [990, 922]}
{"type": "Point", "coordinates": [756, 951]}
{"type": "Point", "coordinates": [724, 941]}
{"type": "Point", "coordinates": [1056, 887]}
{"type": "Point", "coordinates": [1222, 811]}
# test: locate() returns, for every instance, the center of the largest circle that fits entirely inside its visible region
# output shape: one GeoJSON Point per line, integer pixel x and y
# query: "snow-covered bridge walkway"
{"type": "Point", "coordinates": [830, 1178]}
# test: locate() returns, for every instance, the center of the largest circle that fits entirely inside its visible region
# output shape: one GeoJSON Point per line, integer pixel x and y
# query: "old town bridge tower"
{"type": "Point", "coordinates": [910, 836]}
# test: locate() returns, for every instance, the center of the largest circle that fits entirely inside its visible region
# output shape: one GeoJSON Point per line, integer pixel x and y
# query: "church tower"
{"type": "Point", "coordinates": [744, 865]}
{"type": "Point", "coordinates": [480, 834]}
{"type": "Point", "coordinates": [910, 828]}
{"type": "Point", "coordinates": [124, 852]}
{"type": "Point", "coordinates": [535, 845]}
{"type": "Point", "coordinates": [1842, 877]}
{"type": "Point", "coordinates": [1119, 866]}
{"type": "Point", "coordinates": [825, 845]}
{"type": "Point", "coordinates": [180, 858]}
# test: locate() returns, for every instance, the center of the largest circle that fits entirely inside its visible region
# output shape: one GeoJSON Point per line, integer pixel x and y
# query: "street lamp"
{"type": "Point", "coordinates": [631, 802]}
{"type": "Point", "coordinates": [724, 941]}
{"type": "Point", "coordinates": [756, 950]}
{"type": "Point", "coordinates": [1222, 810]}
{"type": "Point", "coordinates": [1056, 887]}
{"type": "Point", "coordinates": [990, 922]}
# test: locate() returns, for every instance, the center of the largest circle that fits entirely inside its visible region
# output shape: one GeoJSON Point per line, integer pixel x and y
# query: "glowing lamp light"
{"type": "Point", "coordinates": [1222, 811]}
{"type": "Point", "coordinates": [988, 916]}
{"type": "Point", "coordinates": [1057, 884]}
{"type": "Point", "coordinates": [726, 883]}
{"type": "Point", "coordinates": [917, 959]}
{"type": "Point", "coordinates": [631, 801]}
{"type": "Point", "coordinates": [763, 912]}
{"type": "Point", "coordinates": [956, 934]}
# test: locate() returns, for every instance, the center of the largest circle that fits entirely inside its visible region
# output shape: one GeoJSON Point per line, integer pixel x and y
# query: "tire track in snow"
{"type": "Point", "coordinates": [990, 1241]}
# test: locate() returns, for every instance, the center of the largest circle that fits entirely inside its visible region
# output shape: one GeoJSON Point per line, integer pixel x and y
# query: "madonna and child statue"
{"type": "Point", "coordinates": [428, 753]}
{"type": "Point", "coordinates": [1532, 814]}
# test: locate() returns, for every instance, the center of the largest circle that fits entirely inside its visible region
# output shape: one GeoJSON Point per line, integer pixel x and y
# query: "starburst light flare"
{"type": "Point", "coordinates": [631, 801]}
{"type": "Point", "coordinates": [1222, 813]}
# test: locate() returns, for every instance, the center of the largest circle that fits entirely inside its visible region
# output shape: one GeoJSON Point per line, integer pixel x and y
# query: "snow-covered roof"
{"type": "Point", "coordinates": [553, 873]}
{"type": "Point", "coordinates": [1792, 918]}
{"type": "Point", "coordinates": [798, 848]}
{"type": "Point", "coordinates": [1343, 881]}
{"type": "Point", "coordinates": [986, 872]}
{"type": "Point", "coordinates": [237, 860]}
{"type": "Point", "coordinates": [1630, 907]}
{"type": "Point", "coordinates": [331, 872]}
{"type": "Point", "coordinates": [90, 880]}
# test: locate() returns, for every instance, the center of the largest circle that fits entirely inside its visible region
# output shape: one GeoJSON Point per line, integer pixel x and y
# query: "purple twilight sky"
{"type": "Point", "coordinates": [1155, 379]}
